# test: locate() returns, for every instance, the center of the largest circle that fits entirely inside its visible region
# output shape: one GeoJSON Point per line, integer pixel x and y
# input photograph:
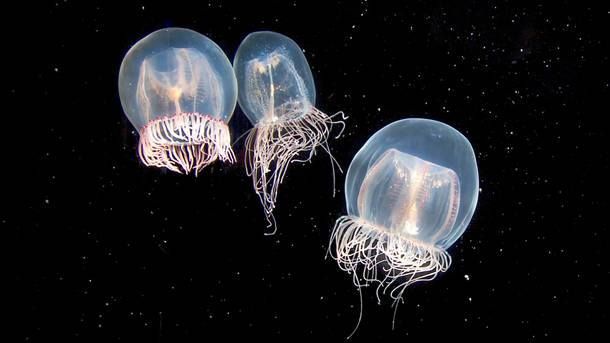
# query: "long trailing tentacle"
{"type": "Point", "coordinates": [272, 146]}
{"type": "Point", "coordinates": [364, 250]}
{"type": "Point", "coordinates": [185, 142]}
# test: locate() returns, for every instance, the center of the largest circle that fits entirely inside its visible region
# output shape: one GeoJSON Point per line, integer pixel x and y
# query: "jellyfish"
{"type": "Point", "coordinates": [411, 191]}
{"type": "Point", "coordinates": [178, 90]}
{"type": "Point", "coordinates": [277, 94]}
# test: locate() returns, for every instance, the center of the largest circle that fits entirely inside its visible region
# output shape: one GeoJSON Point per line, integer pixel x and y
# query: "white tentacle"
{"type": "Point", "coordinates": [393, 261]}
{"type": "Point", "coordinates": [185, 142]}
{"type": "Point", "coordinates": [273, 145]}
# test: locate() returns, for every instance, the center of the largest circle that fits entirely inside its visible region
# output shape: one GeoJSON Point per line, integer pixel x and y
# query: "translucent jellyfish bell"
{"type": "Point", "coordinates": [272, 71]}
{"type": "Point", "coordinates": [277, 94]}
{"type": "Point", "coordinates": [178, 90]}
{"type": "Point", "coordinates": [411, 191]}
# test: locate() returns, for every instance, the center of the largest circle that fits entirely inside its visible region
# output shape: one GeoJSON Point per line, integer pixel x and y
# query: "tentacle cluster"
{"type": "Point", "coordinates": [185, 142]}
{"type": "Point", "coordinates": [363, 250]}
{"type": "Point", "coordinates": [273, 145]}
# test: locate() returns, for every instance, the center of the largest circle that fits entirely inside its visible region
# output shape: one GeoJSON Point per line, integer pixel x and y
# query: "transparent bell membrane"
{"type": "Point", "coordinates": [174, 71]}
{"type": "Point", "coordinates": [273, 77]}
{"type": "Point", "coordinates": [178, 90]}
{"type": "Point", "coordinates": [433, 142]}
{"type": "Point", "coordinates": [409, 196]}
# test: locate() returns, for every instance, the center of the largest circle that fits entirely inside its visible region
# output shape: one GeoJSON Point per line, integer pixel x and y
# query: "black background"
{"type": "Point", "coordinates": [104, 248]}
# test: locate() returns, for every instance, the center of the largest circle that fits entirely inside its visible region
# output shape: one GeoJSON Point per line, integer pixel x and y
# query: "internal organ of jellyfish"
{"type": "Point", "coordinates": [178, 90]}
{"type": "Point", "coordinates": [411, 191]}
{"type": "Point", "coordinates": [277, 94]}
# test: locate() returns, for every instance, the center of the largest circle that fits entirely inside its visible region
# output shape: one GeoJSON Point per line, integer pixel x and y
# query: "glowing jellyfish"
{"type": "Point", "coordinates": [178, 90]}
{"type": "Point", "coordinates": [277, 94]}
{"type": "Point", "coordinates": [411, 191]}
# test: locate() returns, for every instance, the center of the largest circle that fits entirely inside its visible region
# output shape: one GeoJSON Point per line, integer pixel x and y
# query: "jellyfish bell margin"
{"type": "Point", "coordinates": [411, 191]}
{"type": "Point", "coordinates": [185, 142]}
{"type": "Point", "coordinates": [178, 89]}
{"type": "Point", "coordinates": [277, 94]}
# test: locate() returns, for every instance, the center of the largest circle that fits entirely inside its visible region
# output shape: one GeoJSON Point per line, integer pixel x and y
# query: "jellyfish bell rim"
{"type": "Point", "coordinates": [360, 158]}
{"type": "Point", "coordinates": [227, 112]}
{"type": "Point", "coordinates": [308, 77]}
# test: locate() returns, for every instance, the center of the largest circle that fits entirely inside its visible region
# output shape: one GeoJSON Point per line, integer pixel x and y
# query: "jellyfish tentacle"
{"type": "Point", "coordinates": [340, 122]}
{"type": "Point", "coordinates": [273, 145]}
{"type": "Point", "coordinates": [361, 248]}
{"type": "Point", "coordinates": [359, 286]}
{"type": "Point", "coordinates": [185, 142]}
